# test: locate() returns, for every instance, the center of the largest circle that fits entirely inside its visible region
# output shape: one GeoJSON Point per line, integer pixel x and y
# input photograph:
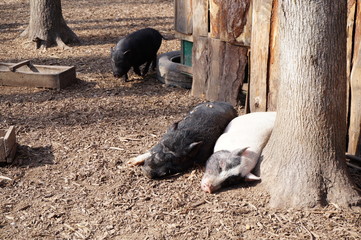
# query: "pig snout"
{"type": "Point", "coordinates": [207, 186]}
{"type": "Point", "coordinates": [152, 173]}
{"type": "Point", "coordinates": [153, 169]}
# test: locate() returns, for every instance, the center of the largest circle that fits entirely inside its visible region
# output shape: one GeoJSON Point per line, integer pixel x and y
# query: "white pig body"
{"type": "Point", "coordinates": [238, 149]}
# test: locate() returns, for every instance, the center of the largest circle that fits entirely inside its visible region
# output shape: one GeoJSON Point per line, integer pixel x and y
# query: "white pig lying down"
{"type": "Point", "coordinates": [237, 151]}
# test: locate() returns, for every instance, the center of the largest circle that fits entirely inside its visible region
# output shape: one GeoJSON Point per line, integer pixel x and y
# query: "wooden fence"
{"type": "Point", "coordinates": [222, 32]}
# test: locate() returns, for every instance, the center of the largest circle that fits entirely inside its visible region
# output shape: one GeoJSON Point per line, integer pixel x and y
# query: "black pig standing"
{"type": "Point", "coordinates": [187, 142]}
{"type": "Point", "coordinates": [134, 50]}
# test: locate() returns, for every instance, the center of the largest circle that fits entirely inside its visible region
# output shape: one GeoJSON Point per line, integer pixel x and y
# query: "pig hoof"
{"type": "Point", "coordinates": [135, 162]}
{"type": "Point", "coordinates": [139, 160]}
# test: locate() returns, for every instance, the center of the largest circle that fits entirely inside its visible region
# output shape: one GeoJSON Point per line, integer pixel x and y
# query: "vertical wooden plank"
{"type": "Point", "coordinates": [200, 18]}
{"type": "Point", "coordinates": [274, 67]}
{"type": "Point", "coordinates": [351, 11]}
{"type": "Point", "coordinates": [215, 16]}
{"type": "Point", "coordinates": [216, 49]}
{"type": "Point", "coordinates": [246, 88]}
{"type": "Point", "coordinates": [351, 8]}
{"type": "Point", "coordinates": [227, 71]}
{"type": "Point", "coordinates": [354, 144]}
{"type": "Point", "coordinates": [233, 19]}
{"type": "Point", "coordinates": [183, 16]}
{"type": "Point", "coordinates": [233, 73]}
{"type": "Point", "coordinates": [244, 38]}
{"type": "Point", "coordinates": [259, 56]}
{"type": "Point", "coordinates": [200, 62]}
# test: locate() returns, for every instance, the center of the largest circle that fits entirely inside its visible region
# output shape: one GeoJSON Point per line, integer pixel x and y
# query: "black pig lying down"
{"type": "Point", "coordinates": [134, 50]}
{"type": "Point", "coordinates": [188, 141]}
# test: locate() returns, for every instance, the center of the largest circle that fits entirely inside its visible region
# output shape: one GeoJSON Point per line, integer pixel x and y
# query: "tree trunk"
{"type": "Point", "coordinates": [47, 26]}
{"type": "Point", "coordinates": [304, 161]}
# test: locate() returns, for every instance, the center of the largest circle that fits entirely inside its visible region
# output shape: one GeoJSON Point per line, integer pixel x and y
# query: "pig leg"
{"type": "Point", "coordinates": [146, 68]}
{"type": "Point", "coordinates": [137, 70]}
{"type": "Point", "coordinates": [154, 62]}
{"type": "Point", "coordinates": [139, 160]}
{"type": "Point", "coordinates": [251, 177]}
{"type": "Point", "coordinates": [125, 77]}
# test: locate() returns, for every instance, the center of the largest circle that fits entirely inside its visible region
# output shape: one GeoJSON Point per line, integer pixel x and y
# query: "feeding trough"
{"type": "Point", "coordinates": [25, 74]}
{"type": "Point", "coordinates": [7, 145]}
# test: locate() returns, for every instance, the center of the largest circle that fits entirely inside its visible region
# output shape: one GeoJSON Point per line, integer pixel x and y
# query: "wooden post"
{"type": "Point", "coordinates": [274, 66]}
{"type": "Point", "coordinates": [260, 54]}
{"type": "Point", "coordinates": [200, 65]}
{"type": "Point", "coordinates": [231, 21]}
{"type": "Point", "coordinates": [200, 18]}
{"type": "Point", "coordinates": [215, 16]}
{"type": "Point", "coordinates": [219, 61]}
{"type": "Point", "coordinates": [354, 144]}
{"type": "Point", "coordinates": [216, 56]}
{"type": "Point", "coordinates": [351, 12]}
{"type": "Point", "coordinates": [227, 71]}
{"type": "Point", "coordinates": [244, 37]}
{"type": "Point", "coordinates": [218, 69]}
{"type": "Point", "coordinates": [183, 16]}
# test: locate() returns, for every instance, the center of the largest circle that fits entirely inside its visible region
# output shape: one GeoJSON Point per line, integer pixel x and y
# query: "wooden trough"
{"type": "Point", "coordinates": [7, 145]}
{"type": "Point", "coordinates": [25, 74]}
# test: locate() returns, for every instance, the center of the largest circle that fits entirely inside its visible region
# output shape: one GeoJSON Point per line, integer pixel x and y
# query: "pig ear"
{"type": "Point", "coordinates": [239, 151]}
{"type": "Point", "coordinates": [174, 126]}
{"type": "Point", "coordinates": [127, 53]}
{"type": "Point", "coordinates": [193, 146]}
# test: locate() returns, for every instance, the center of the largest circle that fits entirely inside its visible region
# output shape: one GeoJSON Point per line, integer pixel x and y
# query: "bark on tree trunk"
{"type": "Point", "coordinates": [47, 26]}
{"type": "Point", "coordinates": [304, 161]}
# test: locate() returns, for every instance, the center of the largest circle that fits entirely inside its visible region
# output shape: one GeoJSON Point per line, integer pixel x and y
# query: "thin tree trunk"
{"type": "Point", "coordinates": [304, 162]}
{"type": "Point", "coordinates": [47, 26]}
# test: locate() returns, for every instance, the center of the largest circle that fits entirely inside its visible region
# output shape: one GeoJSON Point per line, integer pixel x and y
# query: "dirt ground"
{"type": "Point", "coordinates": [70, 179]}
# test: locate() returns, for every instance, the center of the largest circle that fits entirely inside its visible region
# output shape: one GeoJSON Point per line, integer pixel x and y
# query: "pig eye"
{"type": "Point", "coordinates": [222, 165]}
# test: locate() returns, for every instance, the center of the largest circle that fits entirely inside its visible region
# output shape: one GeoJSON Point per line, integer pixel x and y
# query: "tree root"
{"type": "Point", "coordinates": [61, 44]}
{"type": "Point", "coordinates": [60, 39]}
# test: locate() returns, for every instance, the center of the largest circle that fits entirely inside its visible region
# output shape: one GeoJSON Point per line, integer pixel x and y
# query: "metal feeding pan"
{"type": "Point", "coordinates": [25, 74]}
